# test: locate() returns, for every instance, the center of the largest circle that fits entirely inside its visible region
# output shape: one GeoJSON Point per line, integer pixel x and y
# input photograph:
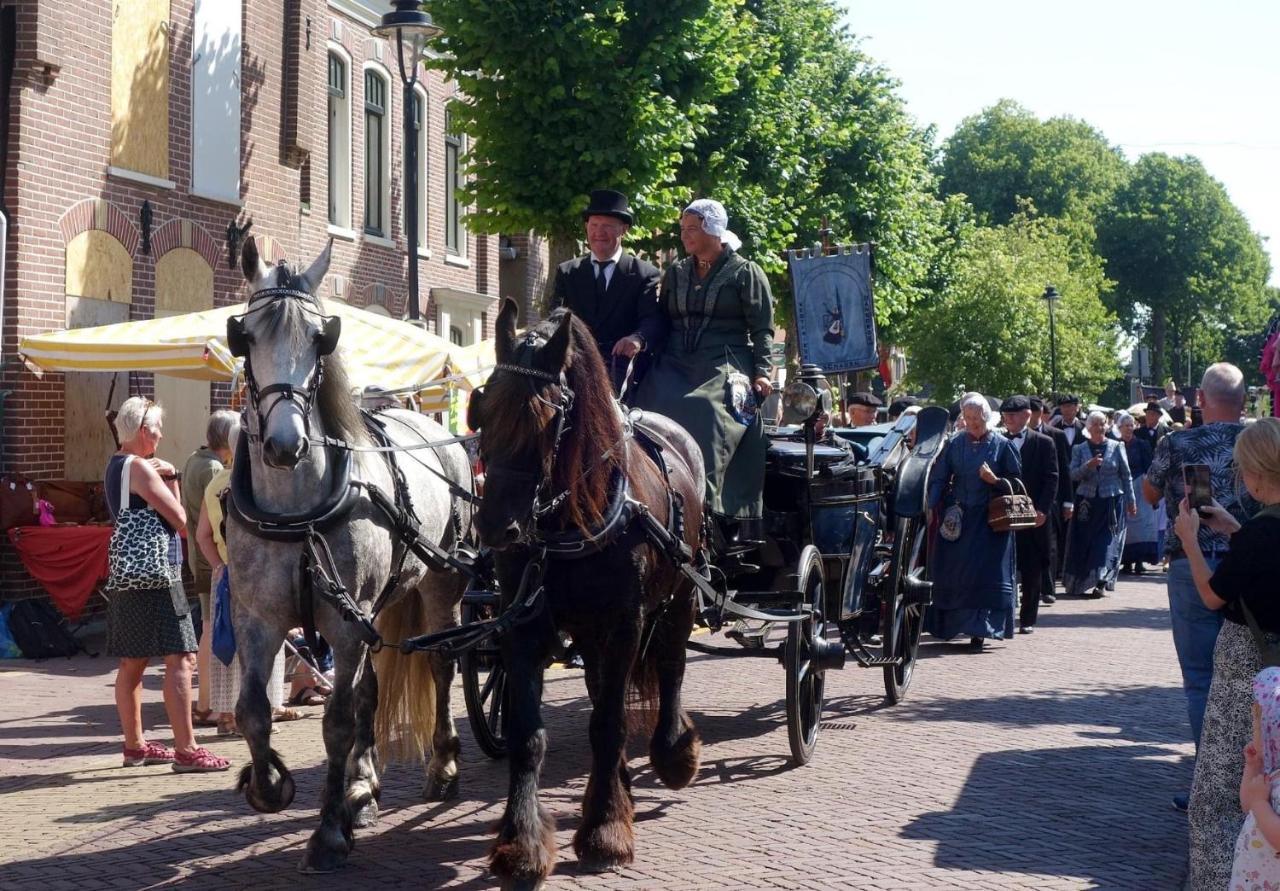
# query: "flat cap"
{"type": "Point", "coordinates": [864, 398]}
{"type": "Point", "coordinates": [1068, 399]}
{"type": "Point", "coordinates": [1153, 406]}
{"type": "Point", "coordinates": [901, 404]}
{"type": "Point", "coordinates": [1036, 403]}
{"type": "Point", "coordinates": [1015, 403]}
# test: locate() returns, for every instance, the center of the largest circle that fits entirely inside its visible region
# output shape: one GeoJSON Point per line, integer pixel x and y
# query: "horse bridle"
{"type": "Point", "coordinates": [239, 339]}
{"type": "Point", "coordinates": [562, 408]}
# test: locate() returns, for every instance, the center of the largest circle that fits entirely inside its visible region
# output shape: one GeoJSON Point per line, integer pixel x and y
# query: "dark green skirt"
{"type": "Point", "coordinates": [145, 624]}
{"type": "Point", "coordinates": [694, 395]}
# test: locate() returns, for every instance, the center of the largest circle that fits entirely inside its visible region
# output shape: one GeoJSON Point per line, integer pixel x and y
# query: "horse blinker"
{"type": "Point", "coordinates": [238, 337]}
{"type": "Point", "coordinates": [327, 337]}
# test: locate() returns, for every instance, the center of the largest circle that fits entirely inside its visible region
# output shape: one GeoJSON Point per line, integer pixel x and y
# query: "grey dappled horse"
{"type": "Point", "coordinates": [285, 336]}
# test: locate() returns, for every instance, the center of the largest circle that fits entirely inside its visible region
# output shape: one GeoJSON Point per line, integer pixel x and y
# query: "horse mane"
{"type": "Point", "coordinates": [287, 318]}
{"type": "Point", "coordinates": [582, 469]}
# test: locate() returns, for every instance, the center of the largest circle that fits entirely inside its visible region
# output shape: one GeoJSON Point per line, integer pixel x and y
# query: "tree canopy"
{"type": "Point", "coordinates": [1005, 155]}
{"type": "Point", "coordinates": [988, 328]}
{"type": "Point", "coordinates": [1190, 273]}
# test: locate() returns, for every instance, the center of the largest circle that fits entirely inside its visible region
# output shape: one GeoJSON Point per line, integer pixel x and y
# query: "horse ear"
{"type": "Point", "coordinates": [251, 261]}
{"type": "Point", "coordinates": [505, 330]}
{"type": "Point", "coordinates": [314, 276]}
{"type": "Point", "coordinates": [557, 347]}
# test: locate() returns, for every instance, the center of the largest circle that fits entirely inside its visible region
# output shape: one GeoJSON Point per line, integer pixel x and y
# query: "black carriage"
{"type": "Point", "coordinates": [841, 570]}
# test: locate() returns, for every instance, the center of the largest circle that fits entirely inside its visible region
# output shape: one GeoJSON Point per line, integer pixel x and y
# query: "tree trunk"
{"type": "Point", "coordinates": [1158, 331]}
{"type": "Point", "coordinates": [559, 249]}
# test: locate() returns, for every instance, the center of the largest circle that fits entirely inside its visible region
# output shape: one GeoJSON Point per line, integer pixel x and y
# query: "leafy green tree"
{"type": "Point", "coordinates": [564, 97]}
{"type": "Point", "coordinates": [987, 328]}
{"type": "Point", "coordinates": [1006, 154]}
{"type": "Point", "coordinates": [813, 132]}
{"type": "Point", "coordinates": [1190, 273]}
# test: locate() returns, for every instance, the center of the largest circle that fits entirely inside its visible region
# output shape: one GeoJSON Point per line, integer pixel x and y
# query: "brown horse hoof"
{"type": "Point", "coordinates": [605, 848]}
{"type": "Point", "coordinates": [438, 789]}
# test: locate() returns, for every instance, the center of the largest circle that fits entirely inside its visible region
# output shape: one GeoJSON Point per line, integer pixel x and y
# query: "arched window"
{"type": "Point", "coordinates": [376, 148]}
{"type": "Point", "coordinates": [339, 141]}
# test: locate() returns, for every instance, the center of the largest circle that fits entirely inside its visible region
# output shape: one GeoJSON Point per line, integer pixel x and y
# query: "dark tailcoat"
{"type": "Point", "coordinates": [1065, 494]}
{"type": "Point", "coordinates": [1041, 464]}
{"type": "Point", "coordinates": [1078, 426]}
{"type": "Point", "coordinates": [630, 304]}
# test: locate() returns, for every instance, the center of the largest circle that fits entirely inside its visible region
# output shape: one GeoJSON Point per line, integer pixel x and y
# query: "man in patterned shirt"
{"type": "Point", "coordinates": [1195, 626]}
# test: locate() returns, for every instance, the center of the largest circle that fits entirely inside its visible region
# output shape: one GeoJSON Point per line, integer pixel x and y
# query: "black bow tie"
{"type": "Point", "coordinates": [1015, 435]}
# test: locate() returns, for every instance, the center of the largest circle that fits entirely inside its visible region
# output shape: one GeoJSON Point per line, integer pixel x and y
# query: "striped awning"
{"type": "Point", "coordinates": [375, 349]}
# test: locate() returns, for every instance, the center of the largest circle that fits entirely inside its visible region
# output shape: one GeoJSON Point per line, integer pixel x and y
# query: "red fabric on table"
{"type": "Point", "coordinates": [69, 561]}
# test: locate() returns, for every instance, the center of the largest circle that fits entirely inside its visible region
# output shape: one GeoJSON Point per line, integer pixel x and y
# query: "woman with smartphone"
{"type": "Point", "coordinates": [1243, 586]}
{"type": "Point", "coordinates": [1104, 494]}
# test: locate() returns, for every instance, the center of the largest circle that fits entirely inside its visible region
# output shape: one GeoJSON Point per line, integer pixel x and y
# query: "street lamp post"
{"type": "Point", "coordinates": [412, 28]}
{"type": "Point", "coordinates": [1051, 296]}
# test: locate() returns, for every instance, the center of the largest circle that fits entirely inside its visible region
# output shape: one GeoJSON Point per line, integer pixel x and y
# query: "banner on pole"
{"type": "Point", "coordinates": [835, 315]}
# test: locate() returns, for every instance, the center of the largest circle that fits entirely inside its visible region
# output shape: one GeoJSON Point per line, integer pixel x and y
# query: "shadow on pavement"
{"type": "Point", "coordinates": [1037, 811]}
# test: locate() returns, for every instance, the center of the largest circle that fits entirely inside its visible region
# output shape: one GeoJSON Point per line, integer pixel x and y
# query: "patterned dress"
{"type": "Point", "coordinates": [1257, 864]}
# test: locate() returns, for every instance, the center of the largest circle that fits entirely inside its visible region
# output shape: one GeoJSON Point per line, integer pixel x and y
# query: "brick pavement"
{"type": "Point", "coordinates": [1044, 763]}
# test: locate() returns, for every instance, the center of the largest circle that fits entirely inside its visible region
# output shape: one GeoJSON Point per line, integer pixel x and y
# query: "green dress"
{"type": "Point", "coordinates": [720, 324]}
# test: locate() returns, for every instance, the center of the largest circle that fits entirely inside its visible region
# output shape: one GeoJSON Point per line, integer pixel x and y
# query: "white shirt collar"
{"type": "Point", "coordinates": [617, 255]}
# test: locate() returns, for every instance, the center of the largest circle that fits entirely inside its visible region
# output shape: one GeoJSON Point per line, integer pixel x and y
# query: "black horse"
{"type": "Point", "coordinates": [566, 480]}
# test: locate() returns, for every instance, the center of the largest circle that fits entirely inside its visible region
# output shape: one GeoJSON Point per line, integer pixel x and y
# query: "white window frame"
{"type": "Point", "coordinates": [424, 170]}
{"type": "Point", "coordinates": [455, 253]}
{"type": "Point", "coordinates": [338, 199]}
{"type": "Point", "coordinates": [383, 227]}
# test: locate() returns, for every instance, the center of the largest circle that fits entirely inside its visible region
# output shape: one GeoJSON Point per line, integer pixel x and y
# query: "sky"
{"type": "Point", "coordinates": [1177, 77]}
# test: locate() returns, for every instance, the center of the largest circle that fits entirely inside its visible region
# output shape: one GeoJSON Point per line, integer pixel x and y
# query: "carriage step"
{"type": "Point", "coordinates": [774, 653]}
{"type": "Point", "coordinates": [769, 599]}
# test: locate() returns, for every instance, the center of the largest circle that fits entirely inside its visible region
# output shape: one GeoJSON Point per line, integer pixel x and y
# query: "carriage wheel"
{"type": "Point", "coordinates": [484, 687]}
{"type": "Point", "coordinates": [904, 619]}
{"type": "Point", "coordinates": [805, 679]}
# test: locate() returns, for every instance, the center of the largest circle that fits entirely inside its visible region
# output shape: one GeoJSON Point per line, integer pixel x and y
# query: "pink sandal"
{"type": "Point", "coordinates": [150, 753]}
{"type": "Point", "coordinates": [199, 760]}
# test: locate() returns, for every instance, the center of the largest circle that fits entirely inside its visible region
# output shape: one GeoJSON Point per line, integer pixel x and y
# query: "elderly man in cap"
{"type": "Point", "coordinates": [862, 408]}
{"type": "Point", "coordinates": [1039, 457]}
{"type": "Point", "coordinates": [1153, 427]}
{"type": "Point", "coordinates": [614, 292]}
{"type": "Point", "coordinates": [899, 406]}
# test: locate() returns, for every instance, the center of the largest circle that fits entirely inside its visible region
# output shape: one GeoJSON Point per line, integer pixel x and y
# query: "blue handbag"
{"type": "Point", "coordinates": [223, 641]}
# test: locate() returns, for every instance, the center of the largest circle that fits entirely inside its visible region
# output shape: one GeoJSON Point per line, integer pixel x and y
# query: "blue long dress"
{"type": "Point", "coordinates": [973, 575]}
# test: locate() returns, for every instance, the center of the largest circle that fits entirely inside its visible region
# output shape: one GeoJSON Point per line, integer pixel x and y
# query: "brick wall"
{"type": "Point", "coordinates": [59, 138]}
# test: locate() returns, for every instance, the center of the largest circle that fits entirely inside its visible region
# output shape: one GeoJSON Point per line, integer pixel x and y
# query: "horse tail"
{"type": "Point", "coordinates": [406, 716]}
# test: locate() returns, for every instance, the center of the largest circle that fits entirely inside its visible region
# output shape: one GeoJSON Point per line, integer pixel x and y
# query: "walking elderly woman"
{"type": "Point", "coordinates": [1142, 531]}
{"type": "Point", "coordinates": [1246, 576]}
{"type": "Point", "coordinates": [1104, 488]}
{"type": "Point", "coordinates": [715, 366]}
{"type": "Point", "coordinates": [972, 563]}
{"type": "Point", "coordinates": [149, 615]}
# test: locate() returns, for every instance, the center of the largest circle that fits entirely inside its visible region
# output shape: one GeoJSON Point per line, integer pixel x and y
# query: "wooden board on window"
{"type": "Point", "coordinates": [87, 441]}
{"type": "Point", "coordinates": [140, 86]}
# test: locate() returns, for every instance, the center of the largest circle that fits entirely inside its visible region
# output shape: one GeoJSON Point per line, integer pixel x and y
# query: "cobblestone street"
{"type": "Point", "coordinates": [1047, 762]}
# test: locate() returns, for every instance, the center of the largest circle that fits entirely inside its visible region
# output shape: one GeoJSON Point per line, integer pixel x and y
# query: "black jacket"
{"type": "Point", "coordinates": [1078, 424]}
{"type": "Point", "coordinates": [1040, 460]}
{"type": "Point", "coordinates": [630, 305]}
{"type": "Point", "coordinates": [1066, 492]}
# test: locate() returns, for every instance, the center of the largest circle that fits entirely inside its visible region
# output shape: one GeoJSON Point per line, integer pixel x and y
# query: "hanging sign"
{"type": "Point", "coordinates": [835, 317]}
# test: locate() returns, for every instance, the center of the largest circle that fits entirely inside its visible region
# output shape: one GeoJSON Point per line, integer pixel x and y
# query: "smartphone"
{"type": "Point", "coordinates": [1197, 481]}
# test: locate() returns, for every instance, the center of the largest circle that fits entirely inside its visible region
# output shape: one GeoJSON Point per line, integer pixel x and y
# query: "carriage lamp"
{"type": "Point", "coordinates": [412, 28]}
{"type": "Point", "coordinates": [799, 402]}
{"type": "Point", "coordinates": [1051, 296]}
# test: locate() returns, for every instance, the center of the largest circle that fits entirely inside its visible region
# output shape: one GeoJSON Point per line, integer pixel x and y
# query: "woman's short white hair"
{"type": "Point", "coordinates": [1121, 418]}
{"type": "Point", "coordinates": [978, 401]}
{"type": "Point", "coordinates": [131, 414]}
{"type": "Point", "coordinates": [1100, 415]}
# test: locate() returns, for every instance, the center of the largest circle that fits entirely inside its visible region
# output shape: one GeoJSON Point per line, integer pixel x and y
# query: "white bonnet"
{"type": "Point", "coordinates": [715, 220]}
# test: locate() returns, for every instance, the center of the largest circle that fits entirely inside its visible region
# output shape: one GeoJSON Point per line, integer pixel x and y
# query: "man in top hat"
{"type": "Point", "coordinates": [1040, 463]}
{"type": "Point", "coordinates": [1153, 428]}
{"type": "Point", "coordinates": [862, 408]}
{"type": "Point", "coordinates": [614, 292]}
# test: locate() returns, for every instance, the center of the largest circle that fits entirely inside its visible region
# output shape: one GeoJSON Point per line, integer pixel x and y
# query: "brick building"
{"type": "Point", "coordinates": [137, 134]}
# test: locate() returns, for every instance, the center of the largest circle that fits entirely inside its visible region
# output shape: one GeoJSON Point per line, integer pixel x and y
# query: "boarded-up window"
{"type": "Point", "coordinates": [215, 100]}
{"type": "Point", "coordinates": [184, 283]}
{"type": "Point", "coordinates": [140, 86]}
{"type": "Point", "coordinates": [98, 266]}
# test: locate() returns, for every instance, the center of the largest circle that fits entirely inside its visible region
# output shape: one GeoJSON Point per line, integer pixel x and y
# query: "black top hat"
{"type": "Point", "coordinates": [607, 202]}
{"type": "Point", "coordinates": [1154, 406]}
{"type": "Point", "coordinates": [1015, 403]}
